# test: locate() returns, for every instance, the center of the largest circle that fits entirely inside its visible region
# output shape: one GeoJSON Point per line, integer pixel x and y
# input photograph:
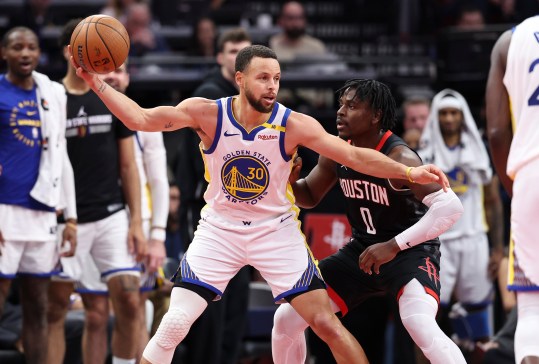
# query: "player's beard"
{"type": "Point", "coordinates": [257, 104]}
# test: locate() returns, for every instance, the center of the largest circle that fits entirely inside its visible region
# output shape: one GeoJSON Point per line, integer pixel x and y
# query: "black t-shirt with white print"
{"type": "Point", "coordinates": [92, 134]}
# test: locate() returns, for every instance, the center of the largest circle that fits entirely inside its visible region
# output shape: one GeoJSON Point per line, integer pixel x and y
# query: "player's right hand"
{"type": "Point", "coordinates": [86, 76]}
{"type": "Point", "coordinates": [429, 173]}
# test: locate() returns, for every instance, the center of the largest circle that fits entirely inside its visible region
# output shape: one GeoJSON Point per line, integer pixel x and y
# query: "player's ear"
{"type": "Point", "coordinates": [66, 53]}
{"type": "Point", "coordinates": [239, 78]}
{"type": "Point", "coordinates": [376, 116]}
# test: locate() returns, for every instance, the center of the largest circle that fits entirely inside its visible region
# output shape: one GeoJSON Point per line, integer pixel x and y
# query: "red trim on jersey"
{"type": "Point", "coordinates": [433, 294]}
{"type": "Point", "coordinates": [337, 299]}
{"type": "Point", "coordinates": [428, 290]}
{"type": "Point", "coordinates": [383, 140]}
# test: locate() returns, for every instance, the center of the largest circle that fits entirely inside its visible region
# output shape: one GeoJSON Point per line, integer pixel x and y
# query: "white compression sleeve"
{"type": "Point", "coordinates": [445, 209]}
{"type": "Point", "coordinates": [155, 166]}
{"type": "Point", "coordinates": [288, 342]}
{"type": "Point", "coordinates": [418, 314]}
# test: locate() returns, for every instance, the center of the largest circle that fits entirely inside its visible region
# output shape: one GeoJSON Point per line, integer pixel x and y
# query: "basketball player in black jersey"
{"type": "Point", "coordinates": [395, 223]}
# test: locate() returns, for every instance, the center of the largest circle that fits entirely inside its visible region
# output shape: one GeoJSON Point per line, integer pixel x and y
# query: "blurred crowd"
{"type": "Point", "coordinates": [477, 313]}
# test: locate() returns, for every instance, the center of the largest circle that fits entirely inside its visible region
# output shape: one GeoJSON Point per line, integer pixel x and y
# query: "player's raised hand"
{"type": "Point", "coordinates": [86, 76]}
{"type": "Point", "coordinates": [426, 174]}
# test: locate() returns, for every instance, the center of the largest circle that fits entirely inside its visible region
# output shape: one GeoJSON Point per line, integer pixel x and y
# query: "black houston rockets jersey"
{"type": "Point", "coordinates": [248, 171]}
{"type": "Point", "coordinates": [376, 210]}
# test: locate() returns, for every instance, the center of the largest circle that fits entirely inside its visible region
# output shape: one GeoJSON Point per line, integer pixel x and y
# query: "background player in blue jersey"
{"type": "Point", "coordinates": [395, 223]}
{"type": "Point", "coordinates": [34, 167]}
{"type": "Point", "coordinates": [250, 217]}
{"type": "Point", "coordinates": [512, 114]}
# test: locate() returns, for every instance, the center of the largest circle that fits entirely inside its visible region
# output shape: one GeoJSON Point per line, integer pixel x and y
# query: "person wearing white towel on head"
{"type": "Point", "coordinates": [452, 141]}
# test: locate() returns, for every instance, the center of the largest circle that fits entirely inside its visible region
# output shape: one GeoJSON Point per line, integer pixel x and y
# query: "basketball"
{"type": "Point", "coordinates": [99, 44]}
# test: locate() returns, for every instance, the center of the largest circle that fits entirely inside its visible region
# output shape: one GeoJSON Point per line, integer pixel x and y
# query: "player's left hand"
{"type": "Point", "coordinates": [156, 255]}
{"type": "Point", "coordinates": [429, 173]}
{"type": "Point", "coordinates": [376, 255]}
{"type": "Point", "coordinates": [136, 242]}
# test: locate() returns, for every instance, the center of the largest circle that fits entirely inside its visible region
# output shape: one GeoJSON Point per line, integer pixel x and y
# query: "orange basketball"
{"type": "Point", "coordinates": [99, 44]}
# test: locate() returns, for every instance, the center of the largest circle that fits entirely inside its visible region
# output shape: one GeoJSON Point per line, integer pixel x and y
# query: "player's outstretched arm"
{"type": "Point", "coordinates": [306, 131]}
{"type": "Point", "coordinates": [162, 118]}
{"type": "Point", "coordinates": [444, 210]}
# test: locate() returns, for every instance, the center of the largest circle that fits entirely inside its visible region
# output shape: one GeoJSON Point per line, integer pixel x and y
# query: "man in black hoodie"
{"type": "Point", "coordinates": [216, 337]}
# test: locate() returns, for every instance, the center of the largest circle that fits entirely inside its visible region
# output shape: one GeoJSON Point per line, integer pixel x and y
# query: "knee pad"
{"type": "Point", "coordinates": [526, 343]}
{"type": "Point", "coordinates": [470, 325]}
{"type": "Point", "coordinates": [418, 314]}
{"type": "Point", "coordinates": [172, 330]}
{"type": "Point", "coordinates": [288, 342]}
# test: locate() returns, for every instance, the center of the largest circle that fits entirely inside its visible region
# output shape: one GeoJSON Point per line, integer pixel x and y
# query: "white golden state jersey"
{"type": "Point", "coordinates": [522, 82]}
{"type": "Point", "coordinates": [248, 172]}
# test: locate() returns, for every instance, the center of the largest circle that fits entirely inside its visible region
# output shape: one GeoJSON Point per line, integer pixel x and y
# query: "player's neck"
{"type": "Point", "coordinates": [74, 84]}
{"type": "Point", "coordinates": [368, 139]}
{"type": "Point", "coordinates": [452, 140]}
{"type": "Point", "coordinates": [246, 115]}
{"type": "Point", "coordinates": [26, 83]}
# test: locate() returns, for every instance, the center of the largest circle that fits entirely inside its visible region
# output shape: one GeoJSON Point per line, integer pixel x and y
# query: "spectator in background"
{"type": "Point", "coordinates": [36, 15]}
{"type": "Point", "coordinates": [294, 41]}
{"type": "Point", "coordinates": [415, 115]}
{"type": "Point", "coordinates": [470, 18]}
{"type": "Point", "coordinates": [118, 9]}
{"type": "Point", "coordinates": [223, 322]}
{"type": "Point", "coordinates": [452, 141]}
{"type": "Point", "coordinates": [204, 38]}
{"type": "Point", "coordinates": [144, 39]}
{"type": "Point", "coordinates": [34, 169]}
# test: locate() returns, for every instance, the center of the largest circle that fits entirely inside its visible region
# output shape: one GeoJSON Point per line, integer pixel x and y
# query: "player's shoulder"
{"type": "Point", "coordinates": [402, 153]}
{"type": "Point", "coordinates": [198, 105]}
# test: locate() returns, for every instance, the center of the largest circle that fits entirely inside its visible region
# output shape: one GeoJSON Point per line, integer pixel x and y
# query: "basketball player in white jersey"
{"type": "Point", "coordinates": [250, 218]}
{"type": "Point", "coordinates": [150, 156]}
{"type": "Point", "coordinates": [513, 131]}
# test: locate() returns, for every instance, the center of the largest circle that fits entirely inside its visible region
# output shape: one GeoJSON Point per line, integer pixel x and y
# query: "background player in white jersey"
{"type": "Point", "coordinates": [33, 159]}
{"type": "Point", "coordinates": [250, 216]}
{"type": "Point", "coordinates": [513, 132]}
{"type": "Point", "coordinates": [452, 141]}
{"type": "Point", "coordinates": [150, 155]}
{"type": "Point", "coordinates": [102, 153]}
{"type": "Point", "coordinates": [395, 225]}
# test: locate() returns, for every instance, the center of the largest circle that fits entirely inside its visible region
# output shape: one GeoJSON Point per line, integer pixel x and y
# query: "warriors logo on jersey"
{"type": "Point", "coordinates": [459, 181]}
{"type": "Point", "coordinates": [245, 178]}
